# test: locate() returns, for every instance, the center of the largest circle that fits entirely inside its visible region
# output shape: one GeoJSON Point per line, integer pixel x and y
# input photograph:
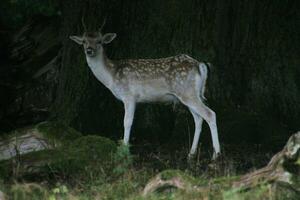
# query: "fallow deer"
{"type": "Point", "coordinates": [151, 80]}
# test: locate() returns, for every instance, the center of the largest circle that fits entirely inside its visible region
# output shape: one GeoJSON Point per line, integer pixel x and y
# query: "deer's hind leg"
{"type": "Point", "coordinates": [195, 104]}
{"type": "Point", "coordinates": [198, 126]}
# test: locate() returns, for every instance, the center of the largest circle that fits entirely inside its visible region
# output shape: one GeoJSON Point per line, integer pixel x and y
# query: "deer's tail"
{"type": "Point", "coordinates": [203, 68]}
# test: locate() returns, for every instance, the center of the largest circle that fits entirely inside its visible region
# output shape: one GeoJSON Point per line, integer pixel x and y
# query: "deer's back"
{"type": "Point", "coordinates": [147, 69]}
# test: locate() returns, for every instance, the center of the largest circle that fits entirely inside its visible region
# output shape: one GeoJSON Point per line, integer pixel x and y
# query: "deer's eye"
{"type": "Point", "coordinates": [99, 42]}
{"type": "Point", "coordinates": [83, 42]}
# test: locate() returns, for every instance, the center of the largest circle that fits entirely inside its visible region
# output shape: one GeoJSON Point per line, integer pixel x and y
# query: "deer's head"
{"type": "Point", "coordinates": [93, 41]}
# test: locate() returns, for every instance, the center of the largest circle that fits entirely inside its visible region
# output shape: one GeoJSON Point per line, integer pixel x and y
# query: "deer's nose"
{"type": "Point", "coordinates": [89, 51]}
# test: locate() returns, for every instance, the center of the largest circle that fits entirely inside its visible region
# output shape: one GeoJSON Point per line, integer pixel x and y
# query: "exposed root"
{"type": "Point", "coordinates": [170, 179]}
{"type": "Point", "coordinates": [284, 167]}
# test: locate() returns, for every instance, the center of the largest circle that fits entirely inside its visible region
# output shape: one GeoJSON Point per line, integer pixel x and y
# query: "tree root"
{"type": "Point", "coordinates": [283, 167]}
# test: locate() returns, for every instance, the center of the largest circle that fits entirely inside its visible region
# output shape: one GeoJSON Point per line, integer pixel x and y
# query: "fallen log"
{"type": "Point", "coordinates": [284, 167]}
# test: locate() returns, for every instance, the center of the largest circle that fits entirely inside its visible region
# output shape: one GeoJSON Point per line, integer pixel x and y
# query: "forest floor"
{"type": "Point", "coordinates": [133, 177]}
{"type": "Point", "coordinates": [74, 166]}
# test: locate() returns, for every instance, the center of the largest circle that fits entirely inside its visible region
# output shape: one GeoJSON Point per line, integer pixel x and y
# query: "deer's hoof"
{"type": "Point", "coordinates": [191, 156]}
{"type": "Point", "coordinates": [191, 160]}
{"type": "Point", "coordinates": [216, 155]}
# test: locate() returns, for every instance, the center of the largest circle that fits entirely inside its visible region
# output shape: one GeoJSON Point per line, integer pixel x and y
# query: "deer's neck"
{"type": "Point", "coordinates": [102, 68]}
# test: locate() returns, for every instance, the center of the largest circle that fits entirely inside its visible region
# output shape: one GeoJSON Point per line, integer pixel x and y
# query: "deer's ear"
{"type": "Point", "coordinates": [77, 39]}
{"type": "Point", "coordinates": [108, 37]}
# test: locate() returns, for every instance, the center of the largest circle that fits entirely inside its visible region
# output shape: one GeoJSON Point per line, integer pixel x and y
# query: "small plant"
{"type": "Point", "coordinates": [28, 191]}
{"type": "Point", "coordinates": [123, 159]}
{"type": "Point", "coordinates": [59, 192]}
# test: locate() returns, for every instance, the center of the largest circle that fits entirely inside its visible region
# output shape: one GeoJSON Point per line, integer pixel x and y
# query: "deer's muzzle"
{"type": "Point", "coordinates": [90, 52]}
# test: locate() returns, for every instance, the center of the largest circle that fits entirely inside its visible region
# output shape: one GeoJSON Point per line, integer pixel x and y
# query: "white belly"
{"type": "Point", "coordinates": [147, 93]}
{"type": "Point", "coordinates": [143, 92]}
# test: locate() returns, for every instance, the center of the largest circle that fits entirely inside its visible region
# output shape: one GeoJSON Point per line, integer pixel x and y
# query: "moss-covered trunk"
{"type": "Point", "coordinates": [252, 45]}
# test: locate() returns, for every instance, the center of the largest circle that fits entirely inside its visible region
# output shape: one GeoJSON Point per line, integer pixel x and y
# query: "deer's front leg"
{"type": "Point", "coordinates": [129, 106]}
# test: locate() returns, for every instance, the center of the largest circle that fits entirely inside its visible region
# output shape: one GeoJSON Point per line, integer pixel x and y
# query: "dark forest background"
{"type": "Point", "coordinates": [254, 86]}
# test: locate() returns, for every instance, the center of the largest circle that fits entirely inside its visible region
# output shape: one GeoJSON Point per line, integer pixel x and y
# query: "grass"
{"type": "Point", "coordinates": [130, 174]}
{"type": "Point", "coordinates": [94, 167]}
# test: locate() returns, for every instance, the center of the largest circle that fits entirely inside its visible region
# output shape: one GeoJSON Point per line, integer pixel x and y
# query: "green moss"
{"type": "Point", "coordinates": [36, 156]}
{"type": "Point", "coordinates": [57, 132]}
{"type": "Point", "coordinates": [86, 158]}
{"type": "Point", "coordinates": [93, 148]}
{"type": "Point", "coordinates": [31, 165]}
